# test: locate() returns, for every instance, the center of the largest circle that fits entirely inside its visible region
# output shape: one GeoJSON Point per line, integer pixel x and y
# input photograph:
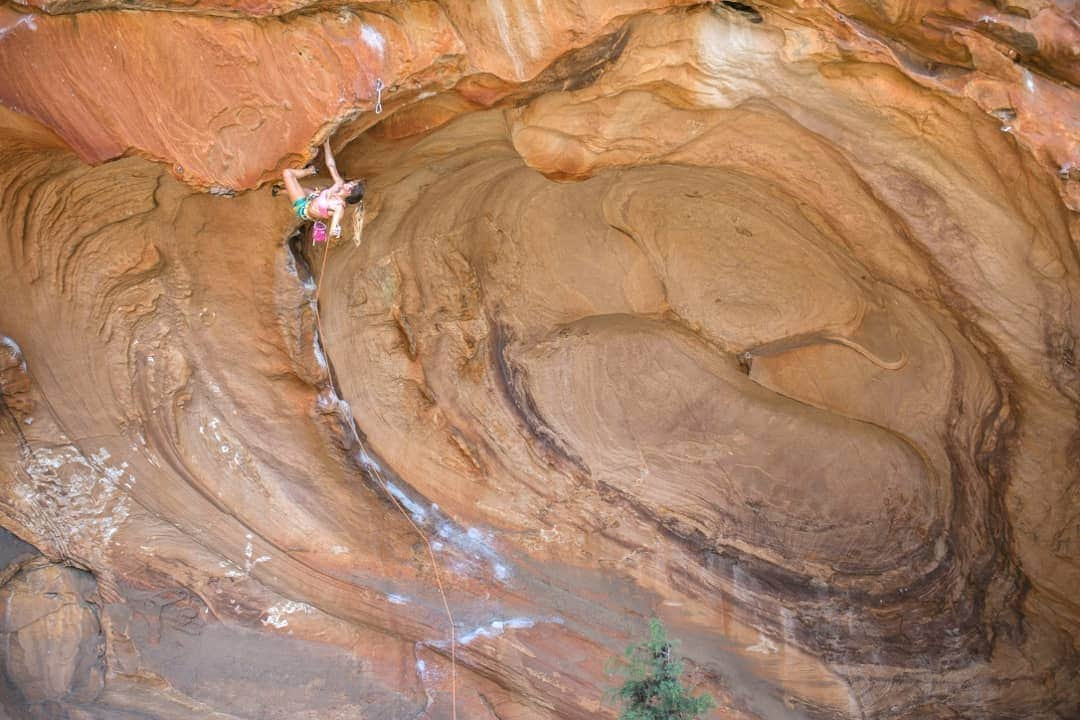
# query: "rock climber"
{"type": "Point", "coordinates": [329, 204]}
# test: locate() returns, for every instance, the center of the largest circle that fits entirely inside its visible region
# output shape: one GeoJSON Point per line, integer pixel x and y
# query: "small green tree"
{"type": "Point", "coordinates": [652, 690]}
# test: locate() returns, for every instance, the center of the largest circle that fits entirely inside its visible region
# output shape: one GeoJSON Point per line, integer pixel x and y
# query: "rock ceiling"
{"type": "Point", "coordinates": [755, 318]}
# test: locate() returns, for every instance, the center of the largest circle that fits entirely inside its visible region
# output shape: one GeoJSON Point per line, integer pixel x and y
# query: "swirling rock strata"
{"type": "Point", "coordinates": [697, 315]}
{"type": "Point", "coordinates": [287, 72]}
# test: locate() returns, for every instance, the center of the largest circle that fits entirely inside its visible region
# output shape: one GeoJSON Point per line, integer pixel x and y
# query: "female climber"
{"type": "Point", "coordinates": [329, 204]}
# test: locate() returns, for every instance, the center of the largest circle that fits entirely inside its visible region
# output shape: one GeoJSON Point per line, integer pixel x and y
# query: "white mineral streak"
{"type": "Point", "coordinates": [84, 496]}
{"type": "Point", "coordinates": [276, 615]}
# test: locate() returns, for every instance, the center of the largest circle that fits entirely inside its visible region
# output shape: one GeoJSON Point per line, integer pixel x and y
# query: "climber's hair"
{"type": "Point", "coordinates": [358, 223]}
{"type": "Point", "coordinates": [357, 193]}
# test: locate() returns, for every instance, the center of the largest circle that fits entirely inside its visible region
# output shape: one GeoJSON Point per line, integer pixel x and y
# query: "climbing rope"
{"type": "Point", "coordinates": [382, 484]}
{"type": "Point", "coordinates": [442, 594]}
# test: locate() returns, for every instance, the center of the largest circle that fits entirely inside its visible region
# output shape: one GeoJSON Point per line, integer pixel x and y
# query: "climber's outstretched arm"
{"type": "Point", "coordinates": [335, 222]}
{"type": "Point", "coordinates": [331, 165]}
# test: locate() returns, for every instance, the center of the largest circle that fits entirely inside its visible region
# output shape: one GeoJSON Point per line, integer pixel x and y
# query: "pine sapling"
{"type": "Point", "coordinates": [653, 689]}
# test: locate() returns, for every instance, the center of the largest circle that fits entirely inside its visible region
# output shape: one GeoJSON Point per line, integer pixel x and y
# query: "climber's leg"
{"type": "Point", "coordinates": [292, 181]}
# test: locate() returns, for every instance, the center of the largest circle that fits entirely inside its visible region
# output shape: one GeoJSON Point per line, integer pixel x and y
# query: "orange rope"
{"type": "Point", "coordinates": [431, 551]}
{"type": "Point", "coordinates": [442, 593]}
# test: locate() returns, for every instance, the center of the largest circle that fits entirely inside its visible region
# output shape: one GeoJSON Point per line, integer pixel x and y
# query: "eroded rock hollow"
{"type": "Point", "coordinates": [755, 317]}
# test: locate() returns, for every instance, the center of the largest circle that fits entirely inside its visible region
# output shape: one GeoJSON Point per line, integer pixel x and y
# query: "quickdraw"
{"type": "Point", "coordinates": [378, 100]}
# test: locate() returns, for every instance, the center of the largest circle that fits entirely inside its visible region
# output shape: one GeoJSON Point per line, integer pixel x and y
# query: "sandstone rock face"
{"type": "Point", "coordinates": [759, 319]}
{"type": "Point", "coordinates": [51, 637]}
